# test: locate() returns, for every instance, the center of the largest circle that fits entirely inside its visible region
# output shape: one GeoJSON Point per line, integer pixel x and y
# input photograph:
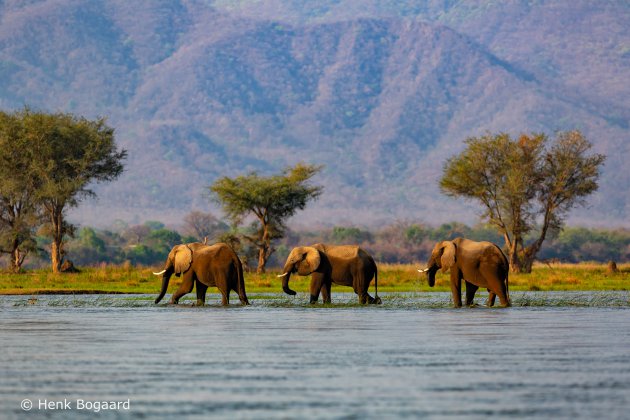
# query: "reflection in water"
{"type": "Point", "coordinates": [291, 362]}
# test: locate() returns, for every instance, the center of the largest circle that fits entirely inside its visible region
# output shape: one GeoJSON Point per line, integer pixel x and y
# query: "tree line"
{"type": "Point", "coordinates": [526, 186]}
{"type": "Point", "coordinates": [402, 242]}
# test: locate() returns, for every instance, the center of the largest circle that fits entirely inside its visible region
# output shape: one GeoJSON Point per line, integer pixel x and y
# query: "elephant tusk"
{"type": "Point", "coordinates": [160, 273]}
{"type": "Point", "coordinates": [423, 270]}
{"type": "Point", "coordinates": [282, 275]}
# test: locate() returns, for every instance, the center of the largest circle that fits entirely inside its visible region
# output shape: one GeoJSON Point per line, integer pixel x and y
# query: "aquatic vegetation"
{"type": "Point", "coordinates": [341, 301]}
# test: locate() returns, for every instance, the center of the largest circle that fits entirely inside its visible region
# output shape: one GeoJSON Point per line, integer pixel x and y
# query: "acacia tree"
{"type": "Point", "coordinates": [18, 211]}
{"type": "Point", "coordinates": [271, 200]}
{"type": "Point", "coordinates": [524, 185]}
{"type": "Point", "coordinates": [68, 154]}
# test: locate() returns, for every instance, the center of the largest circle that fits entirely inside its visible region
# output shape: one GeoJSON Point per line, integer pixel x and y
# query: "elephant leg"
{"type": "Point", "coordinates": [505, 302]}
{"type": "Point", "coordinates": [225, 297]}
{"type": "Point", "coordinates": [361, 288]}
{"type": "Point", "coordinates": [363, 297]}
{"type": "Point", "coordinates": [316, 286]}
{"type": "Point", "coordinates": [326, 291]}
{"type": "Point", "coordinates": [471, 289]}
{"type": "Point", "coordinates": [243, 298]}
{"type": "Point", "coordinates": [495, 283]}
{"type": "Point", "coordinates": [201, 293]}
{"type": "Point", "coordinates": [456, 287]}
{"type": "Point", "coordinates": [184, 288]}
{"type": "Point", "coordinates": [491, 298]}
{"type": "Point", "coordinates": [367, 298]}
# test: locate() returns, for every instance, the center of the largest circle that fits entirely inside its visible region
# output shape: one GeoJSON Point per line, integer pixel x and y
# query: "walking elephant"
{"type": "Point", "coordinates": [346, 265]}
{"type": "Point", "coordinates": [202, 266]}
{"type": "Point", "coordinates": [479, 264]}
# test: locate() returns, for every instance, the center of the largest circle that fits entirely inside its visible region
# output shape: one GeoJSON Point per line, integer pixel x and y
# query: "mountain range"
{"type": "Point", "coordinates": [380, 92]}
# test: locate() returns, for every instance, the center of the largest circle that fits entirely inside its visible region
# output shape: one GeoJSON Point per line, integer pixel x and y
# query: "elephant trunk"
{"type": "Point", "coordinates": [287, 270]}
{"type": "Point", "coordinates": [165, 279]}
{"type": "Point", "coordinates": [431, 276]}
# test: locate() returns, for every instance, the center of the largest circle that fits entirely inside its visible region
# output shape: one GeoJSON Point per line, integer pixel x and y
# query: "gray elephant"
{"type": "Point", "coordinates": [479, 264]}
{"type": "Point", "coordinates": [202, 266]}
{"type": "Point", "coordinates": [346, 265]}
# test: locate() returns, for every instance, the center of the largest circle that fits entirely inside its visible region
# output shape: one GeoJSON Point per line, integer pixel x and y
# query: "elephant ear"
{"type": "Point", "coordinates": [183, 259]}
{"type": "Point", "coordinates": [448, 256]}
{"type": "Point", "coordinates": [310, 262]}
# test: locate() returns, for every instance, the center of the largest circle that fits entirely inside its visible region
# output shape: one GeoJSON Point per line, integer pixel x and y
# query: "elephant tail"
{"type": "Point", "coordinates": [507, 287]}
{"type": "Point", "coordinates": [377, 299]}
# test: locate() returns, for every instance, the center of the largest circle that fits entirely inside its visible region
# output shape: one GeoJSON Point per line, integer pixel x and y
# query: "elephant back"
{"type": "Point", "coordinates": [214, 251]}
{"type": "Point", "coordinates": [345, 252]}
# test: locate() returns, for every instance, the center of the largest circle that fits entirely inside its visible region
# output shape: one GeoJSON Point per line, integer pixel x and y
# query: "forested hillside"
{"type": "Point", "coordinates": [381, 92]}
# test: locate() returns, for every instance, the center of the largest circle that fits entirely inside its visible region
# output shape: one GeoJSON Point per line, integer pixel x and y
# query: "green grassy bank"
{"type": "Point", "coordinates": [392, 278]}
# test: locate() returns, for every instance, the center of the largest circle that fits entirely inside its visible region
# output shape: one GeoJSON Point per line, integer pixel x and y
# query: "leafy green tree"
{"type": "Point", "coordinates": [142, 254]}
{"type": "Point", "coordinates": [449, 231]}
{"type": "Point", "coordinates": [415, 233]}
{"type": "Point", "coordinates": [271, 200]}
{"type": "Point", "coordinates": [352, 235]}
{"type": "Point", "coordinates": [88, 247]}
{"type": "Point", "coordinates": [69, 153]}
{"type": "Point", "coordinates": [19, 217]}
{"type": "Point", "coordinates": [524, 183]}
{"type": "Point", "coordinates": [154, 225]}
{"type": "Point", "coordinates": [162, 240]}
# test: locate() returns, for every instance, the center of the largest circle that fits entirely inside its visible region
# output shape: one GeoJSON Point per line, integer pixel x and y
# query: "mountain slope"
{"type": "Point", "coordinates": [381, 97]}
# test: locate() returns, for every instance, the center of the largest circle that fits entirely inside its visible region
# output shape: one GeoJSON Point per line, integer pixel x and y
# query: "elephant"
{"type": "Point", "coordinates": [479, 264]}
{"type": "Point", "coordinates": [347, 265]}
{"type": "Point", "coordinates": [204, 265]}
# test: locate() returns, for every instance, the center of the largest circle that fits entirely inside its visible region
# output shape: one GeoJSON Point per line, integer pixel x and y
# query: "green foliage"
{"type": "Point", "coordinates": [580, 244]}
{"type": "Point", "coordinates": [399, 243]}
{"type": "Point", "coordinates": [524, 184]}
{"type": "Point", "coordinates": [153, 224]}
{"type": "Point", "coordinates": [415, 234]}
{"type": "Point", "coordinates": [89, 246]}
{"type": "Point", "coordinates": [448, 231]}
{"type": "Point", "coordinates": [19, 215]}
{"type": "Point", "coordinates": [271, 200]}
{"type": "Point", "coordinates": [53, 159]}
{"type": "Point", "coordinates": [89, 239]}
{"type": "Point", "coordinates": [162, 240]}
{"type": "Point", "coordinates": [144, 255]}
{"type": "Point", "coordinates": [349, 235]}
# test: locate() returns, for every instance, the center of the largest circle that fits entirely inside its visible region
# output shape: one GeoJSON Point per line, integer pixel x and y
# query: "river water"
{"type": "Point", "coordinates": [412, 357]}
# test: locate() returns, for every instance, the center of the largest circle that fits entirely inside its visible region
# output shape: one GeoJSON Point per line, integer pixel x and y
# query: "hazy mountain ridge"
{"type": "Point", "coordinates": [381, 98]}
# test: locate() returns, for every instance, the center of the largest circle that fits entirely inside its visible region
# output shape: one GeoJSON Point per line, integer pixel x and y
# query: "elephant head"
{"type": "Point", "coordinates": [302, 260]}
{"type": "Point", "coordinates": [442, 256]}
{"type": "Point", "coordinates": [179, 261]}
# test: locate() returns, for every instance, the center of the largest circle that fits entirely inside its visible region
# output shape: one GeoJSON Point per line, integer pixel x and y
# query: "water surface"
{"type": "Point", "coordinates": [412, 357]}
